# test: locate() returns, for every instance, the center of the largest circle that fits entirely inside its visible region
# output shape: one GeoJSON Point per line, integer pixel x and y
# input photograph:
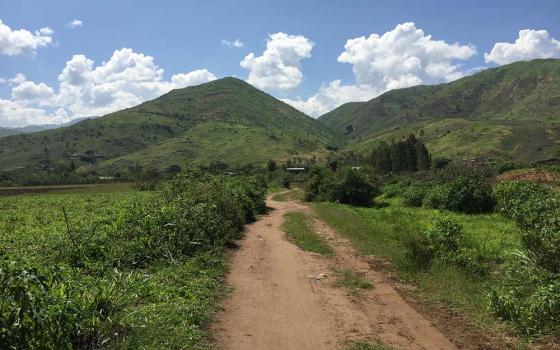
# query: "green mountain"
{"type": "Point", "coordinates": [226, 120]}
{"type": "Point", "coordinates": [7, 132]}
{"type": "Point", "coordinates": [511, 113]}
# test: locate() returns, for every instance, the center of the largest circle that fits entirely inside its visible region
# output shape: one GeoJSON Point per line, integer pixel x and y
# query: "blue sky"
{"type": "Point", "coordinates": [186, 36]}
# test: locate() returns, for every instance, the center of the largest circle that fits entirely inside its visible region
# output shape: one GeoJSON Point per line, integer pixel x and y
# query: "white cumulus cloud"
{"type": "Point", "coordinates": [22, 41]}
{"type": "Point", "coordinates": [402, 57]}
{"type": "Point", "coordinates": [74, 24]}
{"type": "Point", "coordinates": [128, 78]}
{"type": "Point", "coordinates": [236, 43]}
{"type": "Point", "coordinates": [331, 96]}
{"type": "Point", "coordinates": [529, 45]}
{"type": "Point", "coordinates": [278, 68]}
{"type": "Point", "coordinates": [30, 92]}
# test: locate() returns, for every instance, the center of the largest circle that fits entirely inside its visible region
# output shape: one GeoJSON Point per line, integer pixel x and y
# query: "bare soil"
{"type": "Point", "coordinates": [285, 298]}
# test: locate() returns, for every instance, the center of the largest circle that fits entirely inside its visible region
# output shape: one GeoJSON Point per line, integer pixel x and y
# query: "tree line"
{"type": "Point", "coordinates": [408, 155]}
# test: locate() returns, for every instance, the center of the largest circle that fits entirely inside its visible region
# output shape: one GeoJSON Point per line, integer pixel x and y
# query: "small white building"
{"type": "Point", "coordinates": [295, 170]}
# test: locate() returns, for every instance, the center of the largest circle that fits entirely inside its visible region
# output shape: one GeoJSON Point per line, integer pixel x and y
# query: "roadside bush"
{"type": "Point", "coordinates": [319, 185]}
{"type": "Point", "coordinates": [467, 194]}
{"type": "Point", "coordinates": [528, 297]}
{"type": "Point", "coordinates": [523, 202]}
{"type": "Point", "coordinates": [529, 293]}
{"type": "Point", "coordinates": [347, 186]}
{"type": "Point", "coordinates": [354, 187]}
{"type": "Point", "coordinates": [441, 243]}
{"type": "Point", "coordinates": [444, 243]}
{"type": "Point", "coordinates": [76, 300]}
{"type": "Point", "coordinates": [195, 212]}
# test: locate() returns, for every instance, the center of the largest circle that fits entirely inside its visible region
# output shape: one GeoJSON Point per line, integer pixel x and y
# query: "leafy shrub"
{"type": "Point", "coordinates": [33, 314]}
{"type": "Point", "coordinates": [391, 190]}
{"type": "Point", "coordinates": [286, 182]}
{"type": "Point", "coordinates": [319, 185]}
{"type": "Point", "coordinates": [529, 293]}
{"type": "Point", "coordinates": [440, 243]}
{"type": "Point", "coordinates": [528, 297]}
{"type": "Point", "coordinates": [45, 309]}
{"type": "Point", "coordinates": [346, 186]}
{"type": "Point", "coordinates": [467, 194]}
{"type": "Point", "coordinates": [444, 243]}
{"type": "Point", "coordinates": [437, 197]}
{"type": "Point", "coordinates": [414, 195]}
{"type": "Point", "coordinates": [536, 211]}
{"type": "Point", "coordinates": [146, 180]}
{"type": "Point", "coordinates": [354, 187]}
{"type": "Point", "coordinates": [195, 212]}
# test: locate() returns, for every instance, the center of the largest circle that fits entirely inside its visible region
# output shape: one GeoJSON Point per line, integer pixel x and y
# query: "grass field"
{"type": "Point", "coordinates": [164, 306]}
{"type": "Point", "coordinates": [382, 230]}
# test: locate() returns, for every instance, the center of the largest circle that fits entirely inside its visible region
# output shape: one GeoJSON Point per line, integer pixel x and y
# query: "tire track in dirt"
{"type": "Point", "coordinates": [276, 305]}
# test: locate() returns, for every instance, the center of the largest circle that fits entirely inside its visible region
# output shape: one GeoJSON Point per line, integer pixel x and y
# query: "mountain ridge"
{"type": "Point", "coordinates": [504, 104]}
{"type": "Point", "coordinates": [234, 117]}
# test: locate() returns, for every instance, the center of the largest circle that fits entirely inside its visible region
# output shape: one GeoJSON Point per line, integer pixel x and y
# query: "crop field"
{"type": "Point", "coordinates": [88, 287]}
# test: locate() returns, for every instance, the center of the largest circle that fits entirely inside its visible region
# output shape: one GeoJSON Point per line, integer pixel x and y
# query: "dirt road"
{"type": "Point", "coordinates": [281, 301]}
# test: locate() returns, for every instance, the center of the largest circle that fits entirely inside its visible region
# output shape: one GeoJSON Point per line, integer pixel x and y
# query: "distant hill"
{"type": "Point", "coordinates": [36, 128]}
{"type": "Point", "coordinates": [226, 120]}
{"type": "Point", "coordinates": [7, 132]}
{"type": "Point", "coordinates": [511, 113]}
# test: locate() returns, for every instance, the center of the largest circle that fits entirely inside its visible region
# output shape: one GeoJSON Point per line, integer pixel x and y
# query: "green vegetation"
{"type": "Point", "coordinates": [226, 121]}
{"type": "Point", "coordinates": [119, 269]}
{"type": "Point", "coordinates": [348, 186]}
{"type": "Point", "coordinates": [529, 295]}
{"type": "Point", "coordinates": [353, 281]}
{"type": "Point", "coordinates": [510, 112]}
{"type": "Point", "coordinates": [408, 155]}
{"type": "Point", "coordinates": [393, 230]}
{"type": "Point", "coordinates": [299, 228]}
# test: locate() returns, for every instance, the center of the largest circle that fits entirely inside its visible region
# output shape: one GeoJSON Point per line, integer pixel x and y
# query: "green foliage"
{"type": "Point", "coordinates": [100, 256]}
{"type": "Point", "coordinates": [467, 194]}
{"type": "Point", "coordinates": [347, 186]}
{"type": "Point", "coordinates": [353, 187]}
{"type": "Point", "coordinates": [38, 310]}
{"type": "Point", "coordinates": [484, 245]}
{"type": "Point", "coordinates": [146, 180]}
{"type": "Point", "coordinates": [408, 155]}
{"type": "Point", "coordinates": [319, 185]}
{"type": "Point", "coordinates": [414, 195]}
{"type": "Point", "coordinates": [529, 295]}
{"type": "Point", "coordinates": [195, 212]}
{"type": "Point", "coordinates": [440, 243]}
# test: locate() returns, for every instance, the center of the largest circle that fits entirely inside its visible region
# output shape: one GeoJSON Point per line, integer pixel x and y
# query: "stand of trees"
{"type": "Point", "coordinates": [408, 155]}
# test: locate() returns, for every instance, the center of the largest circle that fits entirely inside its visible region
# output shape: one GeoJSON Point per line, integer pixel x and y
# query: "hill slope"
{"type": "Point", "coordinates": [511, 112]}
{"type": "Point", "coordinates": [226, 120]}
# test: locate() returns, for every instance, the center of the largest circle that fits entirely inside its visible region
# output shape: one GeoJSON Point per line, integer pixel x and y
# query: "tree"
{"type": "Point", "coordinates": [272, 166]}
{"type": "Point", "coordinates": [408, 155]}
